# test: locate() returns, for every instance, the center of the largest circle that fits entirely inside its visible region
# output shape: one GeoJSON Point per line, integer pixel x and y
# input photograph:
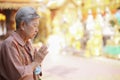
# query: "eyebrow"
{"type": "Point", "coordinates": [35, 23]}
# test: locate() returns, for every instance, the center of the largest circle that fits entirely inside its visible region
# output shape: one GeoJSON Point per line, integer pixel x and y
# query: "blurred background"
{"type": "Point", "coordinates": [75, 31]}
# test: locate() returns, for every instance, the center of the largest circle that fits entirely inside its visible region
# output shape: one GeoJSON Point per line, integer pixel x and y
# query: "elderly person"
{"type": "Point", "coordinates": [18, 59]}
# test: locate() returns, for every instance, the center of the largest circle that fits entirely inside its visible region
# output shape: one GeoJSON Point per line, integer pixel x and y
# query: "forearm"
{"type": "Point", "coordinates": [28, 71]}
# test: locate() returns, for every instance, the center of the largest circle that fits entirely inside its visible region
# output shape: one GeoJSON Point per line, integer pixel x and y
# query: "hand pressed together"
{"type": "Point", "coordinates": [41, 53]}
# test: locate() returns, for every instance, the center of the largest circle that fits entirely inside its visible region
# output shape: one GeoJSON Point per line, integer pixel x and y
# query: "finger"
{"type": "Point", "coordinates": [42, 55]}
{"type": "Point", "coordinates": [43, 48]}
{"type": "Point", "coordinates": [45, 52]}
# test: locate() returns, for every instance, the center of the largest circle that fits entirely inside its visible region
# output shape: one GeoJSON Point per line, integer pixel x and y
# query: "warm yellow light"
{"type": "Point", "coordinates": [2, 17]}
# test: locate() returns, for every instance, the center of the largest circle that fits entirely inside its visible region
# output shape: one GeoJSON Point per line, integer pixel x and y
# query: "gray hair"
{"type": "Point", "coordinates": [25, 14]}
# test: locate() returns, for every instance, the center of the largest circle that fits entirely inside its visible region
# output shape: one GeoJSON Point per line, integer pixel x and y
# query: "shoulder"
{"type": "Point", "coordinates": [8, 41]}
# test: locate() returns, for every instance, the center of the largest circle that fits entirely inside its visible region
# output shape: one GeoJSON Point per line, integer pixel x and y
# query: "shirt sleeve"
{"type": "Point", "coordinates": [15, 70]}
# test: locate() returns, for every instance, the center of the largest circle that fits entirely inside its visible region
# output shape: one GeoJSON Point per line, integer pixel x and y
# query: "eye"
{"type": "Point", "coordinates": [35, 25]}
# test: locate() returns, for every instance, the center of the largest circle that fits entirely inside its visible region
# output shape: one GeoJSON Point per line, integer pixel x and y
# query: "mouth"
{"type": "Point", "coordinates": [35, 35]}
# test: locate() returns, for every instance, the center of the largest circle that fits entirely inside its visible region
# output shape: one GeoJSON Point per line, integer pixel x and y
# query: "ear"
{"type": "Point", "coordinates": [22, 24]}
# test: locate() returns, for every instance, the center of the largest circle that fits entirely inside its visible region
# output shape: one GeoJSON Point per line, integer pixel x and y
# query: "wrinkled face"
{"type": "Point", "coordinates": [31, 28]}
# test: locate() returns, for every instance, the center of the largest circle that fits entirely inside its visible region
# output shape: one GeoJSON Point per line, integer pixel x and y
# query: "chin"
{"type": "Point", "coordinates": [32, 37]}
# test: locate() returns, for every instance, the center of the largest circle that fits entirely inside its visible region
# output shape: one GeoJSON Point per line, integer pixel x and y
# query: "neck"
{"type": "Point", "coordinates": [22, 35]}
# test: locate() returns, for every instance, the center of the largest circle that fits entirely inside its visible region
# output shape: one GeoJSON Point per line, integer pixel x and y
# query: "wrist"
{"type": "Point", "coordinates": [37, 70]}
{"type": "Point", "coordinates": [34, 64]}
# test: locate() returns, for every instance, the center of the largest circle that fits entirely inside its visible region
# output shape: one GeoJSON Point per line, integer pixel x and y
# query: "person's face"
{"type": "Point", "coordinates": [31, 28]}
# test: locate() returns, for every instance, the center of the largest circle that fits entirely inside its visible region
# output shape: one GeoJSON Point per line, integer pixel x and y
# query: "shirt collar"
{"type": "Point", "coordinates": [18, 38]}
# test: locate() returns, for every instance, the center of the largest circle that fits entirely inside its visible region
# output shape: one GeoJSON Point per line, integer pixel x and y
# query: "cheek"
{"type": "Point", "coordinates": [28, 31]}
{"type": "Point", "coordinates": [32, 31]}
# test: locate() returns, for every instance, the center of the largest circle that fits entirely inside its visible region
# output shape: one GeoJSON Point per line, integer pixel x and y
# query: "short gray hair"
{"type": "Point", "coordinates": [25, 14]}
